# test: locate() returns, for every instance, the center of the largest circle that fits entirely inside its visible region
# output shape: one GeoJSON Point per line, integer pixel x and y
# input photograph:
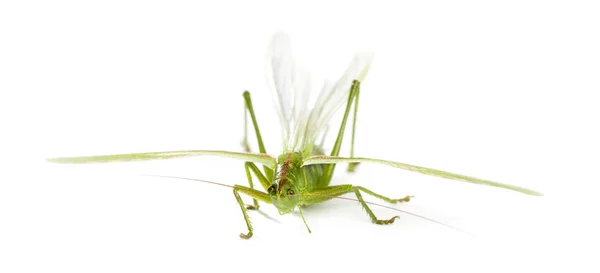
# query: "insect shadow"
{"type": "Point", "coordinates": [300, 175]}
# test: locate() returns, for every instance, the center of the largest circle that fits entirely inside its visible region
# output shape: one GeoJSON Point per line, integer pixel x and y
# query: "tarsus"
{"type": "Point", "coordinates": [339, 197]}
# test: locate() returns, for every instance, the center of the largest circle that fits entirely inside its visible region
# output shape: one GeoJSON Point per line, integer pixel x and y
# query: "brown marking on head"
{"type": "Point", "coordinates": [285, 167]}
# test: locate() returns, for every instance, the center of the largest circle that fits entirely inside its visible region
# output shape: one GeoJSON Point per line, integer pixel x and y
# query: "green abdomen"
{"type": "Point", "coordinates": [314, 177]}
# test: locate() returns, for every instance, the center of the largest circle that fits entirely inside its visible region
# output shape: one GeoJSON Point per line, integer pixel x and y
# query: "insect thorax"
{"type": "Point", "coordinates": [291, 175]}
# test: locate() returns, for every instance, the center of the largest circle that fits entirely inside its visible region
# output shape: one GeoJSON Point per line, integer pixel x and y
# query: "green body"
{"type": "Point", "coordinates": [302, 181]}
{"type": "Point", "coordinates": [293, 183]}
{"type": "Point", "coordinates": [296, 178]}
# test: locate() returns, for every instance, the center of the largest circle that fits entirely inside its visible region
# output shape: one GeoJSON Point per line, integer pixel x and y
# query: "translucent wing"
{"type": "Point", "coordinates": [280, 73]}
{"type": "Point", "coordinates": [331, 98]}
{"type": "Point", "coordinates": [423, 170]}
{"type": "Point", "coordinates": [301, 124]}
{"type": "Point", "coordinates": [291, 84]}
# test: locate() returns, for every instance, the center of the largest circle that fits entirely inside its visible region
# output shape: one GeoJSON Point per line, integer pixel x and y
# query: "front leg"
{"type": "Point", "coordinates": [254, 194]}
{"type": "Point", "coordinates": [263, 181]}
{"type": "Point", "coordinates": [327, 193]}
{"type": "Point", "coordinates": [374, 219]}
{"type": "Point", "coordinates": [387, 199]}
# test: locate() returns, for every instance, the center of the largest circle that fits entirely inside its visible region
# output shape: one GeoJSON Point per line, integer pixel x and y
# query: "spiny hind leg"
{"type": "Point", "coordinates": [352, 166]}
{"type": "Point", "coordinates": [248, 108]}
{"type": "Point", "coordinates": [328, 169]}
{"type": "Point", "coordinates": [245, 143]}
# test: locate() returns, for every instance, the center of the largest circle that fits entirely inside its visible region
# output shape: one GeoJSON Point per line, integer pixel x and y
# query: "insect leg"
{"type": "Point", "coordinates": [245, 140]}
{"type": "Point", "coordinates": [387, 199]}
{"type": "Point", "coordinates": [328, 169]}
{"type": "Point", "coordinates": [263, 180]}
{"type": "Point", "coordinates": [261, 146]}
{"type": "Point", "coordinates": [371, 214]}
{"type": "Point", "coordinates": [254, 194]}
{"type": "Point", "coordinates": [301, 214]}
{"type": "Point", "coordinates": [324, 194]}
{"type": "Point", "coordinates": [352, 166]}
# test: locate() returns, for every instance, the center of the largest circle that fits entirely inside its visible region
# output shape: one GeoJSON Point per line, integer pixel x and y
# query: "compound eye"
{"type": "Point", "coordinates": [271, 189]}
{"type": "Point", "coordinates": [290, 192]}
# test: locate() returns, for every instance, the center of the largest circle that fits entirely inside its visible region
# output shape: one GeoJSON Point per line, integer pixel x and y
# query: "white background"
{"type": "Point", "coordinates": [503, 91]}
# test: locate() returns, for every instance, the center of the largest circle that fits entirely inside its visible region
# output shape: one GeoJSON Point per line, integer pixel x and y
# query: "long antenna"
{"type": "Point", "coordinates": [388, 207]}
{"type": "Point", "coordinates": [339, 197]}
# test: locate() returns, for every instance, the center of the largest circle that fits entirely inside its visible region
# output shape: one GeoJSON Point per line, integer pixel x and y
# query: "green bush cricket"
{"type": "Point", "coordinates": [301, 174]}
